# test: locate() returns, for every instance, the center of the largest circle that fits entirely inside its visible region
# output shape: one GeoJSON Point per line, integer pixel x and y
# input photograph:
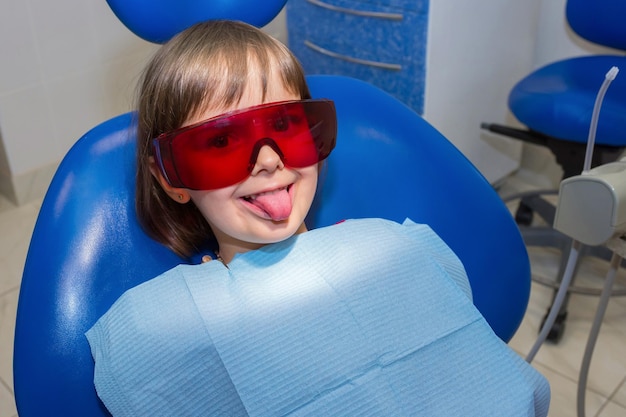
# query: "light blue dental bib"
{"type": "Point", "coordinates": [364, 318]}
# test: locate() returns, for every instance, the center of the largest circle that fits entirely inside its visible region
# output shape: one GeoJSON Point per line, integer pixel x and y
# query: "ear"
{"type": "Point", "coordinates": [180, 195]}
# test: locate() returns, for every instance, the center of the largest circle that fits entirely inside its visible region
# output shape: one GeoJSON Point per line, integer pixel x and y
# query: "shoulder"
{"type": "Point", "coordinates": [159, 305]}
{"type": "Point", "coordinates": [144, 342]}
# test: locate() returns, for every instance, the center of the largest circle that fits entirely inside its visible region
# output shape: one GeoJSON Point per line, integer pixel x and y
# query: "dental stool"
{"type": "Point", "coordinates": [555, 104]}
{"type": "Point", "coordinates": [87, 247]}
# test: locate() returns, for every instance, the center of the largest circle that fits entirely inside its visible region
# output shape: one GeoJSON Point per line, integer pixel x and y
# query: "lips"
{"type": "Point", "coordinates": [274, 204]}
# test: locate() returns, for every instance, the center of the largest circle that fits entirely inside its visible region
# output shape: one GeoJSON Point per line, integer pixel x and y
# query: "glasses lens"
{"type": "Point", "coordinates": [220, 152]}
{"type": "Point", "coordinates": [311, 135]}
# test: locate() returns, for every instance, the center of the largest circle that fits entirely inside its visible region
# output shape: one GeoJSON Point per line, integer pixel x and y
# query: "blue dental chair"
{"type": "Point", "coordinates": [555, 103]}
{"type": "Point", "coordinates": [87, 247]}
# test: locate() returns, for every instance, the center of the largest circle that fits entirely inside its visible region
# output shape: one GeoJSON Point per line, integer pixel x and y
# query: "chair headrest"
{"type": "Point", "coordinates": [158, 20]}
{"type": "Point", "coordinates": [599, 21]}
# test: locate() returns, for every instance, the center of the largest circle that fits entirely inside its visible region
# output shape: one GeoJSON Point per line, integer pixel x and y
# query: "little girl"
{"type": "Point", "coordinates": [212, 69]}
{"type": "Point", "coordinates": [230, 145]}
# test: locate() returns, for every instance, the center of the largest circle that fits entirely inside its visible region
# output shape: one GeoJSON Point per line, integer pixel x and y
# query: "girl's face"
{"type": "Point", "coordinates": [267, 207]}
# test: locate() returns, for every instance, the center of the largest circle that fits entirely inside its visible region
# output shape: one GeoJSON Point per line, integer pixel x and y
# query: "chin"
{"type": "Point", "coordinates": [282, 230]}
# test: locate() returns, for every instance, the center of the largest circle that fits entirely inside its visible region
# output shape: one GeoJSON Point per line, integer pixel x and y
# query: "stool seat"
{"type": "Point", "coordinates": [558, 99]}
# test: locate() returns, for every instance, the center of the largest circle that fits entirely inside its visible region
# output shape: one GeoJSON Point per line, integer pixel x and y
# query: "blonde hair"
{"type": "Point", "coordinates": [208, 66]}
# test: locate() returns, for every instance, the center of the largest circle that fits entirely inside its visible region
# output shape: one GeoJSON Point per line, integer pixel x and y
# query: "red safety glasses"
{"type": "Point", "coordinates": [222, 151]}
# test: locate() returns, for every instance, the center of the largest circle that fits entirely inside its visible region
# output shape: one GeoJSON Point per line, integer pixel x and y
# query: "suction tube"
{"type": "Point", "coordinates": [576, 245]}
{"type": "Point", "coordinates": [616, 261]}
{"type": "Point", "coordinates": [591, 139]}
{"type": "Point", "coordinates": [558, 299]}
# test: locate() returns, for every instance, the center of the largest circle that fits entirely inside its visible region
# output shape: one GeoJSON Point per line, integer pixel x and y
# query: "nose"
{"type": "Point", "coordinates": [266, 156]}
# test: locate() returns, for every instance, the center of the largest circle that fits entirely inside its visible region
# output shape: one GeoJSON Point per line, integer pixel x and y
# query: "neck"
{"type": "Point", "coordinates": [227, 252]}
{"type": "Point", "coordinates": [229, 247]}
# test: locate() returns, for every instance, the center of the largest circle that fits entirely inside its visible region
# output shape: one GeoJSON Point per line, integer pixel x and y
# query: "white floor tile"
{"type": "Point", "coordinates": [17, 225]}
{"type": "Point", "coordinates": [612, 410]}
{"type": "Point", "coordinates": [7, 403]}
{"type": "Point", "coordinates": [620, 396]}
{"type": "Point", "coordinates": [5, 204]}
{"type": "Point", "coordinates": [8, 309]}
{"type": "Point", "coordinates": [563, 395]}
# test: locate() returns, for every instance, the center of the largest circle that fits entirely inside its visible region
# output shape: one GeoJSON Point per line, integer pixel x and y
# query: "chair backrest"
{"type": "Point", "coordinates": [87, 247]}
{"type": "Point", "coordinates": [599, 21]}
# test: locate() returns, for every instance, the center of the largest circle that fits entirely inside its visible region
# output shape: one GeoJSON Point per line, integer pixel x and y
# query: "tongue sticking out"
{"type": "Point", "coordinates": [277, 204]}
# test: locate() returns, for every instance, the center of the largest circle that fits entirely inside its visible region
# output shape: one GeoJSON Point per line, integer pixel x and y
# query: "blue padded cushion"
{"type": "Point", "coordinates": [599, 21]}
{"type": "Point", "coordinates": [558, 99]}
{"type": "Point", "coordinates": [158, 20]}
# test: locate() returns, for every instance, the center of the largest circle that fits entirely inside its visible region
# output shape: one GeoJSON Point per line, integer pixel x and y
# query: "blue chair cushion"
{"type": "Point", "coordinates": [159, 20]}
{"type": "Point", "coordinates": [558, 99]}
{"type": "Point", "coordinates": [599, 21]}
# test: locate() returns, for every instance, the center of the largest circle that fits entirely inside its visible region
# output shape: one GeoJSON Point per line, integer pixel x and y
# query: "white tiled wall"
{"type": "Point", "coordinates": [65, 66]}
